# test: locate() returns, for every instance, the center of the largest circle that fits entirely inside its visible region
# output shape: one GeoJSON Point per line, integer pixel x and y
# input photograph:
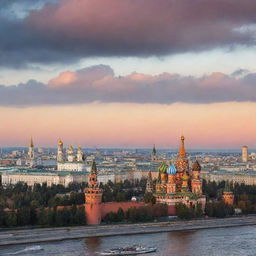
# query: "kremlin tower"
{"type": "Point", "coordinates": [228, 196]}
{"type": "Point", "coordinates": [93, 198]}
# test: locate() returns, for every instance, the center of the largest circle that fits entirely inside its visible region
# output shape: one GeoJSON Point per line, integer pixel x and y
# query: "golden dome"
{"type": "Point", "coordinates": [60, 143]}
{"type": "Point", "coordinates": [185, 177]}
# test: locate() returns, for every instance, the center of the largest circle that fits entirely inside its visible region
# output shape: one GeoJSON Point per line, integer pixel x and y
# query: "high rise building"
{"type": "Point", "coordinates": [245, 154]}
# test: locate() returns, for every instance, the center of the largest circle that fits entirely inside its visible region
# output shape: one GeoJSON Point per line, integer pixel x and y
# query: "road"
{"type": "Point", "coordinates": [37, 235]}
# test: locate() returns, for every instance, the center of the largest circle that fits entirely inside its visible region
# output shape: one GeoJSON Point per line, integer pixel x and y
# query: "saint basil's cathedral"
{"type": "Point", "coordinates": [178, 183]}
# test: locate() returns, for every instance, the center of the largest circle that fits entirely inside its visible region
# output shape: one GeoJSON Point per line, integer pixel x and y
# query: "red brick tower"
{"type": "Point", "coordinates": [93, 197]}
{"type": "Point", "coordinates": [228, 196]}
{"type": "Point", "coordinates": [196, 183]}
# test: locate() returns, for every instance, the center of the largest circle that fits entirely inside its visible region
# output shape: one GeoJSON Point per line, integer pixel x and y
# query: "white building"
{"type": "Point", "coordinates": [35, 177]}
{"type": "Point", "coordinates": [71, 161]}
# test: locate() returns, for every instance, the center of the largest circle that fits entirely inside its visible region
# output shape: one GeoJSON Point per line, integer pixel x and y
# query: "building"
{"type": "Point", "coordinates": [34, 176]}
{"type": "Point", "coordinates": [245, 154]}
{"type": "Point", "coordinates": [228, 196]}
{"type": "Point", "coordinates": [71, 161]}
{"type": "Point", "coordinates": [30, 160]}
{"type": "Point", "coordinates": [153, 154]}
{"type": "Point", "coordinates": [244, 177]}
{"type": "Point", "coordinates": [177, 183]}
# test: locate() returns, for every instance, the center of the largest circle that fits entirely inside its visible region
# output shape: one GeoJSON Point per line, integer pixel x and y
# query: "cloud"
{"type": "Point", "coordinates": [68, 30]}
{"type": "Point", "coordinates": [99, 84]}
{"type": "Point", "coordinates": [240, 72]}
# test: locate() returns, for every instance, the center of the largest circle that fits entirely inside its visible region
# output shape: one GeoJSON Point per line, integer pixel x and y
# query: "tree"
{"type": "Point", "coordinates": [120, 215]}
{"type": "Point", "coordinates": [149, 198]}
{"type": "Point", "coordinates": [10, 219]}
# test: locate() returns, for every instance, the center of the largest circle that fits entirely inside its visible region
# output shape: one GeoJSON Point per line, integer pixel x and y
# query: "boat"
{"type": "Point", "coordinates": [134, 250]}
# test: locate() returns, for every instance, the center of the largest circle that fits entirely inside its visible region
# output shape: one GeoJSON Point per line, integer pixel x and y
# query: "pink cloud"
{"type": "Point", "coordinates": [143, 27]}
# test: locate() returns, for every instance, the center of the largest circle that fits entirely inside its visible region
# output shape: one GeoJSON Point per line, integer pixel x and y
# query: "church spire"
{"type": "Point", "coordinates": [154, 150]}
{"type": "Point", "coordinates": [182, 152]}
{"type": "Point", "coordinates": [31, 143]}
{"type": "Point", "coordinates": [94, 167]}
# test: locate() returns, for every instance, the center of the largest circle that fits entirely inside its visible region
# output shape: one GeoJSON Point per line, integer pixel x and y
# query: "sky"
{"type": "Point", "coordinates": [128, 73]}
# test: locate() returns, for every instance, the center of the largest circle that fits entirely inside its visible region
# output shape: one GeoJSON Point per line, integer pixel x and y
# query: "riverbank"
{"type": "Point", "coordinates": [26, 236]}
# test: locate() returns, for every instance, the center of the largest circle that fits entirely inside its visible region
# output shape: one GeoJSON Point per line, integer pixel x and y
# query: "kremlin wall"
{"type": "Point", "coordinates": [176, 183]}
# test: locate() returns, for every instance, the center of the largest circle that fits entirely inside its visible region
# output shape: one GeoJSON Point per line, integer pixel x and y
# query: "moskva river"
{"type": "Point", "coordinates": [240, 241]}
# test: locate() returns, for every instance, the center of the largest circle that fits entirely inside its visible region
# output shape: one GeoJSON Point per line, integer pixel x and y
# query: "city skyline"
{"type": "Point", "coordinates": [123, 82]}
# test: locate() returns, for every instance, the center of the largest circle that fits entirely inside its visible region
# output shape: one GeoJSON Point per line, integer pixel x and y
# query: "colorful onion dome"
{"type": "Point", "coordinates": [162, 168]}
{"type": "Point", "coordinates": [171, 170]}
{"type": "Point", "coordinates": [185, 177]}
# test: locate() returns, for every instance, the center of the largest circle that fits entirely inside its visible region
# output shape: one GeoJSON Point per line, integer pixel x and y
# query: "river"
{"type": "Point", "coordinates": [209, 242]}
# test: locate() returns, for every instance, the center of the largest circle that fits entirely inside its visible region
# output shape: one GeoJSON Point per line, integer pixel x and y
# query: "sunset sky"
{"type": "Point", "coordinates": [128, 73]}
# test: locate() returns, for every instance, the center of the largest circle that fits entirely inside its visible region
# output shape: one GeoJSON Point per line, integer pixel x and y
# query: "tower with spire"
{"type": "Point", "coordinates": [228, 196]}
{"type": "Point", "coordinates": [153, 154]}
{"type": "Point", "coordinates": [93, 197]}
{"type": "Point", "coordinates": [31, 154]}
{"type": "Point", "coordinates": [182, 164]}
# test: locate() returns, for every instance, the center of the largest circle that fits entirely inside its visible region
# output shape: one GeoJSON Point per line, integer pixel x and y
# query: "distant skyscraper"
{"type": "Point", "coordinates": [245, 154]}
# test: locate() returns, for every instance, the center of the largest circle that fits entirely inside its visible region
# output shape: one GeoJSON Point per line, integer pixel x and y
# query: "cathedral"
{"type": "Point", "coordinates": [70, 160]}
{"type": "Point", "coordinates": [178, 183]}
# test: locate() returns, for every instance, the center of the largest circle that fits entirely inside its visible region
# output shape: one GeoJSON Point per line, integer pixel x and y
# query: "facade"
{"type": "Point", "coordinates": [71, 161]}
{"type": "Point", "coordinates": [245, 177]}
{"type": "Point", "coordinates": [245, 154]}
{"type": "Point", "coordinates": [32, 177]}
{"type": "Point", "coordinates": [177, 183]}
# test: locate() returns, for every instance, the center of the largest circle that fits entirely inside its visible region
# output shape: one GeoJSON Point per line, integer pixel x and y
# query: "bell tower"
{"type": "Point", "coordinates": [60, 153]}
{"type": "Point", "coordinates": [93, 198]}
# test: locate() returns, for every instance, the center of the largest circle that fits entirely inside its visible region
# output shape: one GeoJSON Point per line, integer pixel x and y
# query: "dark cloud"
{"type": "Point", "coordinates": [69, 30]}
{"type": "Point", "coordinates": [240, 72]}
{"type": "Point", "coordinates": [98, 83]}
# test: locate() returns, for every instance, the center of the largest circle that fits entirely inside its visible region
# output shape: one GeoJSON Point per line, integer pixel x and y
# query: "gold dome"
{"type": "Point", "coordinates": [60, 143]}
{"type": "Point", "coordinates": [185, 177]}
